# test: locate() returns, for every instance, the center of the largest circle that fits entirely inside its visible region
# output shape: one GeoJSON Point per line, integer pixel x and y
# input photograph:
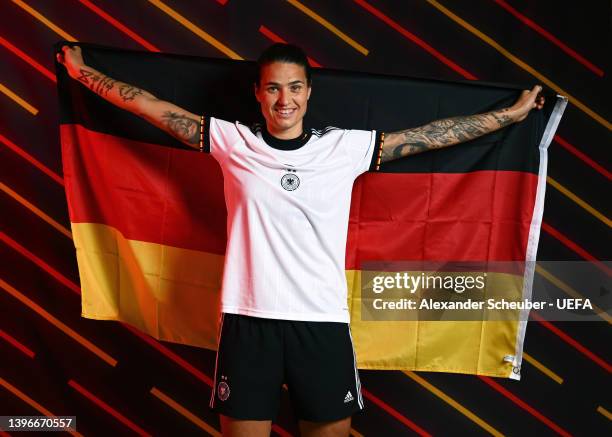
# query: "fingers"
{"type": "Point", "coordinates": [538, 100]}
{"type": "Point", "coordinates": [73, 52]}
{"type": "Point", "coordinates": [61, 55]}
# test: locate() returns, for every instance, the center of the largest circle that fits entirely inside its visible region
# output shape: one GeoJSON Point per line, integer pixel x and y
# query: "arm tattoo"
{"type": "Point", "coordinates": [128, 92]}
{"type": "Point", "coordinates": [102, 85]}
{"type": "Point", "coordinates": [442, 133]}
{"type": "Point", "coordinates": [184, 128]}
{"type": "Point", "coordinates": [98, 83]}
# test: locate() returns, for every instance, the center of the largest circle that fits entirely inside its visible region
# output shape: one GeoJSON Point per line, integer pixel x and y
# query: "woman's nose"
{"type": "Point", "coordinates": [283, 97]}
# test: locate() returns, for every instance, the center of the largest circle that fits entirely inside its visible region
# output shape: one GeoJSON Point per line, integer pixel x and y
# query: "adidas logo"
{"type": "Point", "coordinates": [348, 398]}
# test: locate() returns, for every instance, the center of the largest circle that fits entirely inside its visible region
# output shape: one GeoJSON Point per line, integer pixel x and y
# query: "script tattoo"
{"type": "Point", "coordinates": [98, 83]}
{"type": "Point", "coordinates": [441, 133]}
{"type": "Point", "coordinates": [184, 128]}
{"type": "Point", "coordinates": [129, 92]}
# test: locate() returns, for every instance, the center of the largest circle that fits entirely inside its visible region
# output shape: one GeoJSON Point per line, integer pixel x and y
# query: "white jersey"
{"type": "Point", "coordinates": [287, 221]}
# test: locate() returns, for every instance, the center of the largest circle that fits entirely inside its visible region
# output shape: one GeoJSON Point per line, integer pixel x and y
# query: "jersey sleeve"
{"type": "Point", "coordinates": [217, 137]}
{"type": "Point", "coordinates": [364, 148]}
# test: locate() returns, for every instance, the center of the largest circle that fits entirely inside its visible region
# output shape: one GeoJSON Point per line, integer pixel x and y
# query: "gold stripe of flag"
{"type": "Point", "coordinates": [185, 412]}
{"type": "Point", "coordinates": [570, 291]}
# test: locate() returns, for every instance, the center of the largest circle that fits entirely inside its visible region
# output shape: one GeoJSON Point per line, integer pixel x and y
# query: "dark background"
{"type": "Point", "coordinates": [39, 263]}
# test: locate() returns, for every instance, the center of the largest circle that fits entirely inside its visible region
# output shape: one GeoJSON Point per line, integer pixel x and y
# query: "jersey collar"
{"type": "Point", "coordinates": [290, 144]}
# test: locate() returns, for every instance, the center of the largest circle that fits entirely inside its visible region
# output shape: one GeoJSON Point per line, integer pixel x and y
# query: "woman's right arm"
{"type": "Point", "coordinates": [179, 123]}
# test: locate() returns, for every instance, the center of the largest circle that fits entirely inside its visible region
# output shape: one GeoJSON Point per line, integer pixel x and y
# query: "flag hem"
{"type": "Point", "coordinates": [534, 231]}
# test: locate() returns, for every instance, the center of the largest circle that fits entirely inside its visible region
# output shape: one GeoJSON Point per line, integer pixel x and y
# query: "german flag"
{"type": "Point", "coordinates": [149, 220]}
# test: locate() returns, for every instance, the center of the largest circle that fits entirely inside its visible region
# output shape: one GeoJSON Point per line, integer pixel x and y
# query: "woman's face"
{"type": "Point", "coordinates": [283, 94]}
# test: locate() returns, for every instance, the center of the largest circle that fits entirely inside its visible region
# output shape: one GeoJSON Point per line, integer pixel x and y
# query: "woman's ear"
{"type": "Point", "coordinates": [309, 91]}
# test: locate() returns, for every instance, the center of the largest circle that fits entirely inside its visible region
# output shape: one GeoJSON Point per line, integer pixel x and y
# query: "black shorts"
{"type": "Point", "coordinates": [256, 356]}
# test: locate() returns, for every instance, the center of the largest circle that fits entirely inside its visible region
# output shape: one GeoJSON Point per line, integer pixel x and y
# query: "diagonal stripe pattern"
{"type": "Point", "coordinates": [127, 19]}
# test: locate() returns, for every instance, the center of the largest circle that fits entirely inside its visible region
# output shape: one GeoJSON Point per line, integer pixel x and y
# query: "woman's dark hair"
{"type": "Point", "coordinates": [281, 52]}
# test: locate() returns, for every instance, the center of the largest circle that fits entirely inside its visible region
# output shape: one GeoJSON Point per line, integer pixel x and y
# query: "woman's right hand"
{"type": "Point", "coordinates": [72, 59]}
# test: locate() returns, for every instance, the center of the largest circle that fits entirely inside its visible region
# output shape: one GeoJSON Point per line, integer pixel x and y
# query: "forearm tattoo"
{"type": "Point", "coordinates": [98, 83]}
{"type": "Point", "coordinates": [184, 128]}
{"type": "Point", "coordinates": [442, 133]}
{"type": "Point", "coordinates": [102, 85]}
{"type": "Point", "coordinates": [128, 92]}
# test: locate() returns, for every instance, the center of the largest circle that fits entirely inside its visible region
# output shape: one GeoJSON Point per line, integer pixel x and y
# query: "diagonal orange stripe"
{"type": "Point", "coordinates": [197, 30]}
{"type": "Point", "coordinates": [579, 201]}
{"type": "Point", "coordinates": [569, 290]}
{"type": "Point", "coordinates": [542, 368]}
{"type": "Point", "coordinates": [58, 324]}
{"type": "Point", "coordinates": [185, 412]}
{"type": "Point", "coordinates": [21, 102]}
{"type": "Point", "coordinates": [35, 210]}
{"type": "Point", "coordinates": [40, 17]}
{"type": "Point", "coordinates": [601, 410]}
{"type": "Point", "coordinates": [31, 402]}
{"type": "Point", "coordinates": [522, 64]}
{"type": "Point", "coordinates": [453, 403]}
{"type": "Point", "coordinates": [106, 407]}
{"type": "Point", "coordinates": [333, 29]}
